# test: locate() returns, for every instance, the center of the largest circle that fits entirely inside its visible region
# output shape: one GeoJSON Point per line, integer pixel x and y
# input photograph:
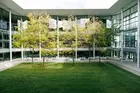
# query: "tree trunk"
{"type": "Point", "coordinates": [43, 60]}
{"type": "Point", "coordinates": [89, 54]}
{"type": "Point", "coordinates": [73, 56]}
{"type": "Point", "coordinates": [99, 58]}
{"type": "Point", "coordinates": [33, 55]}
{"type": "Point", "coordinates": [99, 55]}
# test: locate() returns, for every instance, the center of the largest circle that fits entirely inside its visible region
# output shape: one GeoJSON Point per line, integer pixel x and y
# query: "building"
{"type": "Point", "coordinates": [123, 14]}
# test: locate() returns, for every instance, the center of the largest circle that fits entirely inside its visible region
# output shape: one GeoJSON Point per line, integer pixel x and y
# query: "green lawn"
{"type": "Point", "coordinates": [65, 78]}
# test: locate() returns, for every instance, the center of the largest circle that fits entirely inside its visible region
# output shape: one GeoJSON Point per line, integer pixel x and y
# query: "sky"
{"type": "Point", "coordinates": [65, 4]}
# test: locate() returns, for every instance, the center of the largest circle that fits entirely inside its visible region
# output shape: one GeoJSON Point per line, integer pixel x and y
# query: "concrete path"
{"type": "Point", "coordinates": [7, 64]}
{"type": "Point", "coordinates": [127, 65]}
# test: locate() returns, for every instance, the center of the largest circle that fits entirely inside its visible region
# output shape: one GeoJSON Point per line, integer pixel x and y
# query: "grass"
{"type": "Point", "coordinates": [65, 78]}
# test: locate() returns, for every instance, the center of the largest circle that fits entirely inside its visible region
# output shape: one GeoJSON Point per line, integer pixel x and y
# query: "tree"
{"type": "Point", "coordinates": [96, 34]}
{"type": "Point", "coordinates": [43, 53]}
{"type": "Point", "coordinates": [35, 34]}
{"type": "Point", "coordinates": [104, 36]}
{"type": "Point", "coordinates": [88, 34]}
{"type": "Point", "coordinates": [88, 38]}
{"type": "Point", "coordinates": [69, 41]}
{"type": "Point", "coordinates": [51, 42]}
{"type": "Point", "coordinates": [43, 20]}
{"type": "Point", "coordinates": [27, 38]}
{"type": "Point", "coordinates": [51, 53]}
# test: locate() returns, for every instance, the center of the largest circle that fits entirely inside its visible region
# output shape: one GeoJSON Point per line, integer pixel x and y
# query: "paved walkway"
{"type": "Point", "coordinates": [7, 64]}
{"type": "Point", "coordinates": [127, 65]}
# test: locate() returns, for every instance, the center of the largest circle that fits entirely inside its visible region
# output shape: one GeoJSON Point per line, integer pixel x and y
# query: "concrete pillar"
{"type": "Point", "coordinates": [57, 37]}
{"type": "Point", "coordinates": [40, 46]}
{"type": "Point", "coordinates": [93, 50]}
{"type": "Point", "coordinates": [76, 38]}
{"type": "Point", "coordinates": [121, 52]}
{"type": "Point", "coordinates": [111, 53]}
{"type": "Point", "coordinates": [22, 54]}
{"type": "Point", "coordinates": [10, 36]}
{"type": "Point", "coordinates": [2, 45]}
{"type": "Point", "coordinates": [114, 53]}
{"type": "Point", "coordinates": [21, 28]}
{"type": "Point", "coordinates": [138, 39]}
{"type": "Point", "coordinates": [2, 40]}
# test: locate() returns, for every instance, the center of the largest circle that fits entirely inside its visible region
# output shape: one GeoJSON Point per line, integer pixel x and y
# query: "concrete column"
{"type": "Point", "coordinates": [21, 28]}
{"type": "Point", "coordinates": [76, 38]}
{"type": "Point", "coordinates": [138, 39]}
{"type": "Point", "coordinates": [2, 40]}
{"type": "Point", "coordinates": [111, 53]}
{"type": "Point", "coordinates": [114, 53]}
{"type": "Point", "coordinates": [93, 18]}
{"type": "Point", "coordinates": [40, 46]}
{"type": "Point", "coordinates": [57, 37]}
{"type": "Point", "coordinates": [2, 45]}
{"type": "Point", "coordinates": [93, 50]}
{"type": "Point", "coordinates": [10, 36]}
{"type": "Point", "coordinates": [121, 52]}
{"type": "Point", "coordinates": [22, 54]}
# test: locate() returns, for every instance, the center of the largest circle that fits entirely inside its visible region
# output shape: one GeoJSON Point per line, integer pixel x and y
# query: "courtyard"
{"type": "Point", "coordinates": [66, 78]}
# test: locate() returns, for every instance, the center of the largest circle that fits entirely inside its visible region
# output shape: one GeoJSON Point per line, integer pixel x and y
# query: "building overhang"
{"type": "Point", "coordinates": [110, 9]}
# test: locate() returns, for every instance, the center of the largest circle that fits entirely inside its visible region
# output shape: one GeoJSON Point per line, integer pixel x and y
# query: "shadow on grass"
{"type": "Point", "coordinates": [84, 64]}
{"type": "Point", "coordinates": [65, 65]}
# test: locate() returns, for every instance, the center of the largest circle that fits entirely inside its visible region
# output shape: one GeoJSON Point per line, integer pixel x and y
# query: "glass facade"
{"type": "Point", "coordinates": [130, 22]}
{"type": "Point", "coordinates": [4, 31]}
{"type": "Point", "coordinates": [129, 28]}
{"type": "Point", "coordinates": [63, 25]}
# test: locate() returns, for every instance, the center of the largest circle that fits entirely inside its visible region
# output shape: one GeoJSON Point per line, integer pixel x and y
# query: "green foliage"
{"type": "Point", "coordinates": [66, 53]}
{"type": "Point", "coordinates": [17, 40]}
{"type": "Point", "coordinates": [51, 53]}
{"type": "Point", "coordinates": [68, 39]}
{"type": "Point", "coordinates": [36, 32]}
{"type": "Point", "coordinates": [48, 53]}
{"type": "Point", "coordinates": [51, 43]}
{"type": "Point", "coordinates": [95, 30]}
{"type": "Point", "coordinates": [43, 52]}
